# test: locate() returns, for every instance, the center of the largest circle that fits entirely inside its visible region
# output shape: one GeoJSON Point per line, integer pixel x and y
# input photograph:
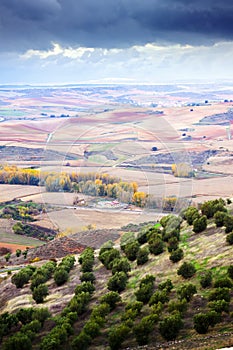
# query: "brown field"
{"type": "Point", "coordinates": [100, 122]}
{"type": "Point", "coordinates": [13, 247]}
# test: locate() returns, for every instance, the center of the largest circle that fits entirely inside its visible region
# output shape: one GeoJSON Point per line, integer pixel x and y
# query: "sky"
{"type": "Point", "coordinates": [115, 41]}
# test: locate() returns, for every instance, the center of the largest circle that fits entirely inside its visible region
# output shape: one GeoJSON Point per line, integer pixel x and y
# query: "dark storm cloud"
{"type": "Point", "coordinates": [34, 24]}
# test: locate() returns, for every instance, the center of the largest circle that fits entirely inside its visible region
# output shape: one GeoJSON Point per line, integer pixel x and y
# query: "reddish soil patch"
{"type": "Point", "coordinates": [13, 247]}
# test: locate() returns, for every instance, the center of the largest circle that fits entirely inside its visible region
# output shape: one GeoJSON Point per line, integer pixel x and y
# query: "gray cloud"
{"type": "Point", "coordinates": [34, 24]}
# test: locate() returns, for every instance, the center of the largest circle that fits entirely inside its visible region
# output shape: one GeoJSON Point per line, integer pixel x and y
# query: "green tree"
{"type": "Point", "coordinates": [206, 279]}
{"type": "Point", "coordinates": [176, 255]}
{"type": "Point", "coordinates": [219, 218]}
{"type": "Point", "coordinates": [39, 293]}
{"type": "Point", "coordinates": [230, 271]}
{"type": "Point", "coordinates": [117, 282]}
{"type": "Point", "coordinates": [18, 341]}
{"type": "Point", "coordinates": [223, 282]}
{"type": "Point", "coordinates": [220, 294]}
{"type": "Point", "coordinates": [60, 276]}
{"type": "Point", "coordinates": [92, 328]}
{"type": "Point", "coordinates": [142, 256]}
{"type": "Point", "coordinates": [87, 277]}
{"type": "Point", "coordinates": [186, 291]}
{"type": "Point", "coordinates": [121, 264]}
{"type": "Point", "coordinates": [186, 270]}
{"type": "Point", "coordinates": [169, 327]}
{"type": "Point", "coordinates": [143, 329]}
{"type": "Point", "coordinates": [190, 214]}
{"type": "Point", "coordinates": [111, 298]}
{"type": "Point", "coordinates": [200, 224]}
{"type": "Point", "coordinates": [228, 223]}
{"type": "Point", "coordinates": [116, 336]}
{"type": "Point", "coordinates": [156, 246]}
{"type": "Point", "coordinates": [81, 342]}
{"type": "Point", "coordinates": [131, 250]}
{"type": "Point", "coordinates": [229, 238]}
{"type": "Point", "coordinates": [18, 252]}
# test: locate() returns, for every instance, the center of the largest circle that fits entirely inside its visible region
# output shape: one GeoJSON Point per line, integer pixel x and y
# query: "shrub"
{"type": "Point", "coordinates": [223, 282]}
{"type": "Point", "coordinates": [219, 217]}
{"type": "Point", "coordinates": [108, 256]}
{"type": "Point", "coordinates": [202, 321]}
{"type": "Point", "coordinates": [230, 271]}
{"type": "Point", "coordinates": [169, 327]}
{"type": "Point", "coordinates": [86, 287]}
{"type": "Point", "coordinates": [116, 336]}
{"type": "Point", "coordinates": [18, 252]}
{"type": "Point", "coordinates": [200, 224]}
{"type": "Point", "coordinates": [81, 342]}
{"type": "Point", "coordinates": [117, 282]}
{"type": "Point", "coordinates": [146, 288]}
{"type": "Point", "coordinates": [60, 276]}
{"type": "Point", "coordinates": [176, 255]}
{"type": "Point", "coordinates": [159, 296]}
{"type": "Point", "coordinates": [143, 329]}
{"type": "Point", "coordinates": [111, 298]}
{"type": "Point", "coordinates": [186, 291]}
{"type": "Point", "coordinates": [206, 279]}
{"type": "Point", "coordinates": [209, 208]}
{"type": "Point", "coordinates": [228, 223]}
{"type": "Point", "coordinates": [186, 270]}
{"type": "Point", "coordinates": [39, 293]}
{"type": "Point", "coordinates": [229, 238]}
{"type": "Point", "coordinates": [220, 294]}
{"type": "Point", "coordinates": [20, 278]}
{"type": "Point", "coordinates": [219, 306]}
{"type": "Point", "coordinates": [177, 305]}
{"type": "Point", "coordinates": [121, 264]}
{"type": "Point", "coordinates": [92, 328]}
{"type": "Point", "coordinates": [166, 285]}
{"type": "Point", "coordinates": [156, 246]}
{"type": "Point", "coordinates": [173, 244]}
{"type": "Point", "coordinates": [190, 214]}
{"type": "Point", "coordinates": [18, 341]}
{"type": "Point", "coordinates": [142, 256]}
{"type": "Point", "coordinates": [87, 277]}
{"type": "Point", "coordinates": [131, 250]}
{"type": "Point", "coordinates": [101, 310]}
{"type": "Point", "coordinates": [127, 238]}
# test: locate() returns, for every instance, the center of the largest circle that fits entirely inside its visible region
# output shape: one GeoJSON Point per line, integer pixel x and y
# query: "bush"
{"type": "Point", "coordinates": [230, 271]}
{"type": "Point", "coordinates": [127, 238]}
{"type": "Point", "coordinates": [111, 298]}
{"type": "Point", "coordinates": [209, 208]}
{"type": "Point", "coordinates": [169, 327]}
{"type": "Point", "coordinates": [186, 270]}
{"type": "Point", "coordinates": [219, 306]}
{"type": "Point", "coordinates": [156, 246]}
{"type": "Point", "coordinates": [200, 224]}
{"type": "Point", "coordinates": [177, 305]}
{"type": "Point", "coordinates": [159, 296]}
{"type": "Point", "coordinates": [173, 244]}
{"type": "Point", "coordinates": [143, 329]}
{"type": "Point", "coordinates": [229, 238]}
{"type": "Point", "coordinates": [117, 282]}
{"type": "Point", "coordinates": [116, 336]}
{"type": "Point", "coordinates": [206, 279]}
{"type": "Point", "coordinates": [81, 342]}
{"type": "Point", "coordinates": [18, 341]}
{"type": "Point", "coordinates": [167, 285]}
{"type": "Point", "coordinates": [39, 293]}
{"type": "Point", "coordinates": [142, 256]}
{"type": "Point", "coordinates": [228, 223]}
{"type": "Point", "coordinates": [121, 264]}
{"type": "Point", "coordinates": [190, 214]}
{"type": "Point", "coordinates": [108, 256]}
{"type": "Point", "coordinates": [146, 289]}
{"type": "Point", "coordinates": [176, 255]}
{"type": "Point", "coordinates": [219, 217]}
{"type": "Point", "coordinates": [202, 321]}
{"type": "Point", "coordinates": [101, 310]}
{"type": "Point", "coordinates": [87, 277]}
{"type": "Point", "coordinates": [60, 276]}
{"type": "Point", "coordinates": [220, 294]}
{"type": "Point", "coordinates": [131, 250]}
{"type": "Point", "coordinates": [21, 278]}
{"type": "Point", "coordinates": [86, 287]}
{"type": "Point", "coordinates": [92, 328]}
{"type": "Point", "coordinates": [223, 282]}
{"type": "Point", "coordinates": [186, 291]}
